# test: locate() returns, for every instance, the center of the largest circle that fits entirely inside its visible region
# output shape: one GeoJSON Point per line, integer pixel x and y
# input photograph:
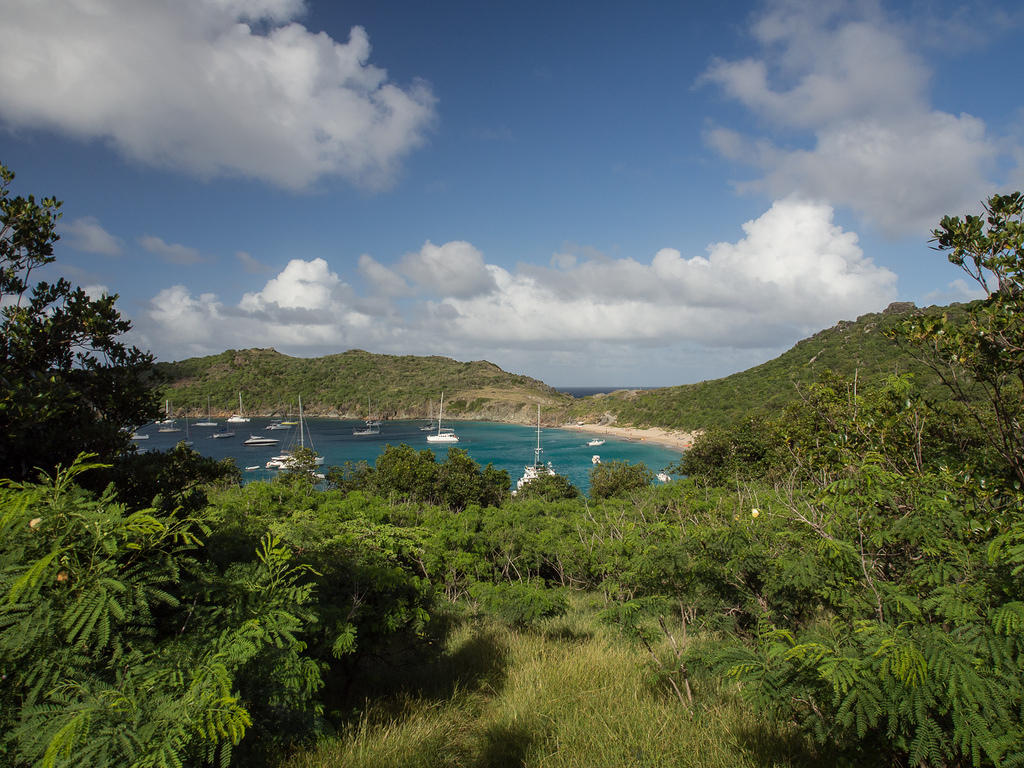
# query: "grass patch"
{"type": "Point", "coordinates": [569, 692]}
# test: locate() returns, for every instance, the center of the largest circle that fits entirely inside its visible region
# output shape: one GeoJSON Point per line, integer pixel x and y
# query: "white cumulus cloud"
{"type": "Point", "coordinates": [452, 269]}
{"type": "Point", "coordinates": [845, 102]}
{"type": "Point", "coordinates": [306, 285]}
{"type": "Point", "coordinates": [210, 87]}
{"type": "Point", "coordinates": [793, 272]}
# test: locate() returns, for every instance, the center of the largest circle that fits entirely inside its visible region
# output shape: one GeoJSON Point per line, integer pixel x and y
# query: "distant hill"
{"type": "Point", "coordinates": [353, 384]}
{"type": "Point", "coordinates": [357, 384]}
{"type": "Point", "coordinates": [849, 347]}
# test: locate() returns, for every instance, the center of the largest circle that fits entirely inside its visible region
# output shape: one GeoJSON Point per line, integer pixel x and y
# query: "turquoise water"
{"type": "Point", "coordinates": [507, 446]}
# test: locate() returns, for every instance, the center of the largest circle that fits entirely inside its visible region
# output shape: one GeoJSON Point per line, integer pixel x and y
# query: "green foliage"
{"type": "Point", "coordinates": [372, 598]}
{"type": "Point", "coordinates": [981, 361]}
{"type": "Point", "coordinates": [915, 659]}
{"type": "Point", "coordinates": [395, 386]}
{"type": "Point", "coordinates": [859, 348]}
{"type": "Point", "coordinates": [67, 384]}
{"type": "Point", "coordinates": [549, 488]}
{"type": "Point", "coordinates": [117, 647]}
{"type": "Point", "coordinates": [402, 472]}
{"type": "Point", "coordinates": [748, 450]}
{"type": "Point", "coordinates": [178, 479]}
{"type": "Point", "coordinates": [616, 478]}
{"type": "Point", "coordinates": [302, 468]}
{"type": "Point", "coordinates": [519, 604]}
{"type": "Point", "coordinates": [906, 513]}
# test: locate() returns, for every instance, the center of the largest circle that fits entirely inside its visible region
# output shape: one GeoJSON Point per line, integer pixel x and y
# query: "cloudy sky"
{"type": "Point", "coordinates": [592, 193]}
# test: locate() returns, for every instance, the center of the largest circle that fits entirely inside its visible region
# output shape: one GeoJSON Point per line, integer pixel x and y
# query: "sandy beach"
{"type": "Point", "coordinates": [677, 440]}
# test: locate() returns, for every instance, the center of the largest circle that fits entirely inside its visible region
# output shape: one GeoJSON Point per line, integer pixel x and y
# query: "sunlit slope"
{"type": "Point", "coordinates": [354, 384]}
{"type": "Point", "coordinates": [857, 347]}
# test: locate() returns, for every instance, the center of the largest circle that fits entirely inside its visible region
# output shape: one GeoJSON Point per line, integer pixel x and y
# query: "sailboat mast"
{"type": "Point", "coordinates": [302, 428]}
{"type": "Point", "coordinates": [537, 450]}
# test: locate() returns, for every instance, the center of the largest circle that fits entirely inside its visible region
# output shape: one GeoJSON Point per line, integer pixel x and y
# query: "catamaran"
{"type": "Point", "coordinates": [444, 435]}
{"type": "Point", "coordinates": [533, 471]}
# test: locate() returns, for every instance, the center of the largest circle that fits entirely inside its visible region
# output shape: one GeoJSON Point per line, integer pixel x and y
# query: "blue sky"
{"type": "Point", "coordinates": [640, 193]}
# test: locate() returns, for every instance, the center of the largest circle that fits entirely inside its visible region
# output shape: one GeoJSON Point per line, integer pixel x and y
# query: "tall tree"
{"type": "Point", "coordinates": [67, 383]}
{"type": "Point", "coordinates": [981, 360]}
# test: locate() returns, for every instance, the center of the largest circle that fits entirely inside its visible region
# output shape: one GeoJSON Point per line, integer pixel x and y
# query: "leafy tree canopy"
{"type": "Point", "coordinates": [67, 384]}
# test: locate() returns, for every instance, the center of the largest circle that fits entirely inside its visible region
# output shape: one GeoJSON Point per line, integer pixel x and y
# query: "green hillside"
{"type": "Point", "coordinates": [409, 386]}
{"type": "Point", "coordinates": [349, 384]}
{"type": "Point", "coordinates": [851, 347]}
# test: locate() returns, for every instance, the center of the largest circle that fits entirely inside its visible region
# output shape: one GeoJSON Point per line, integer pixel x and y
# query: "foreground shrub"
{"type": "Point", "coordinates": [118, 647]}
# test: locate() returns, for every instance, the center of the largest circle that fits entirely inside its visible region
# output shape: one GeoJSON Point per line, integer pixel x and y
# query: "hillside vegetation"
{"type": "Point", "coordinates": [858, 348]}
{"type": "Point", "coordinates": [408, 386]}
{"type": "Point", "coordinates": [354, 384]}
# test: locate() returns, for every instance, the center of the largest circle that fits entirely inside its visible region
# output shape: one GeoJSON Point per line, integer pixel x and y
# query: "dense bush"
{"type": "Point", "coordinates": [401, 472]}
{"type": "Point", "coordinates": [616, 478]}
{"type": "Point", "coordinates": [120, 647]}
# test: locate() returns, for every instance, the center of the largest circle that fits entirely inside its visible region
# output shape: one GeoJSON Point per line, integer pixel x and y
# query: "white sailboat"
{"type": "Point", "coordinates": [239, 418]}
{"type": "Point", "coordinates": [372, 425]}
{"type": "Point", "coordinates": [286, 458]}
{"type": "Point", "coordinates": [533, 471]}
{"type": "Point", "coordinates": [444, 435]}
{"type": "Point", "coordinates": [209, 421]}
{"type": "Point", "coordinates": [167, 425]}
{"type": "Point", "coordinates": [167, 414]}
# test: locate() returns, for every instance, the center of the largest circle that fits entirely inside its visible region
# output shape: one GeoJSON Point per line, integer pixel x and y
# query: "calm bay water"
{"type": "Point", "coordinates": [507, 446]}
